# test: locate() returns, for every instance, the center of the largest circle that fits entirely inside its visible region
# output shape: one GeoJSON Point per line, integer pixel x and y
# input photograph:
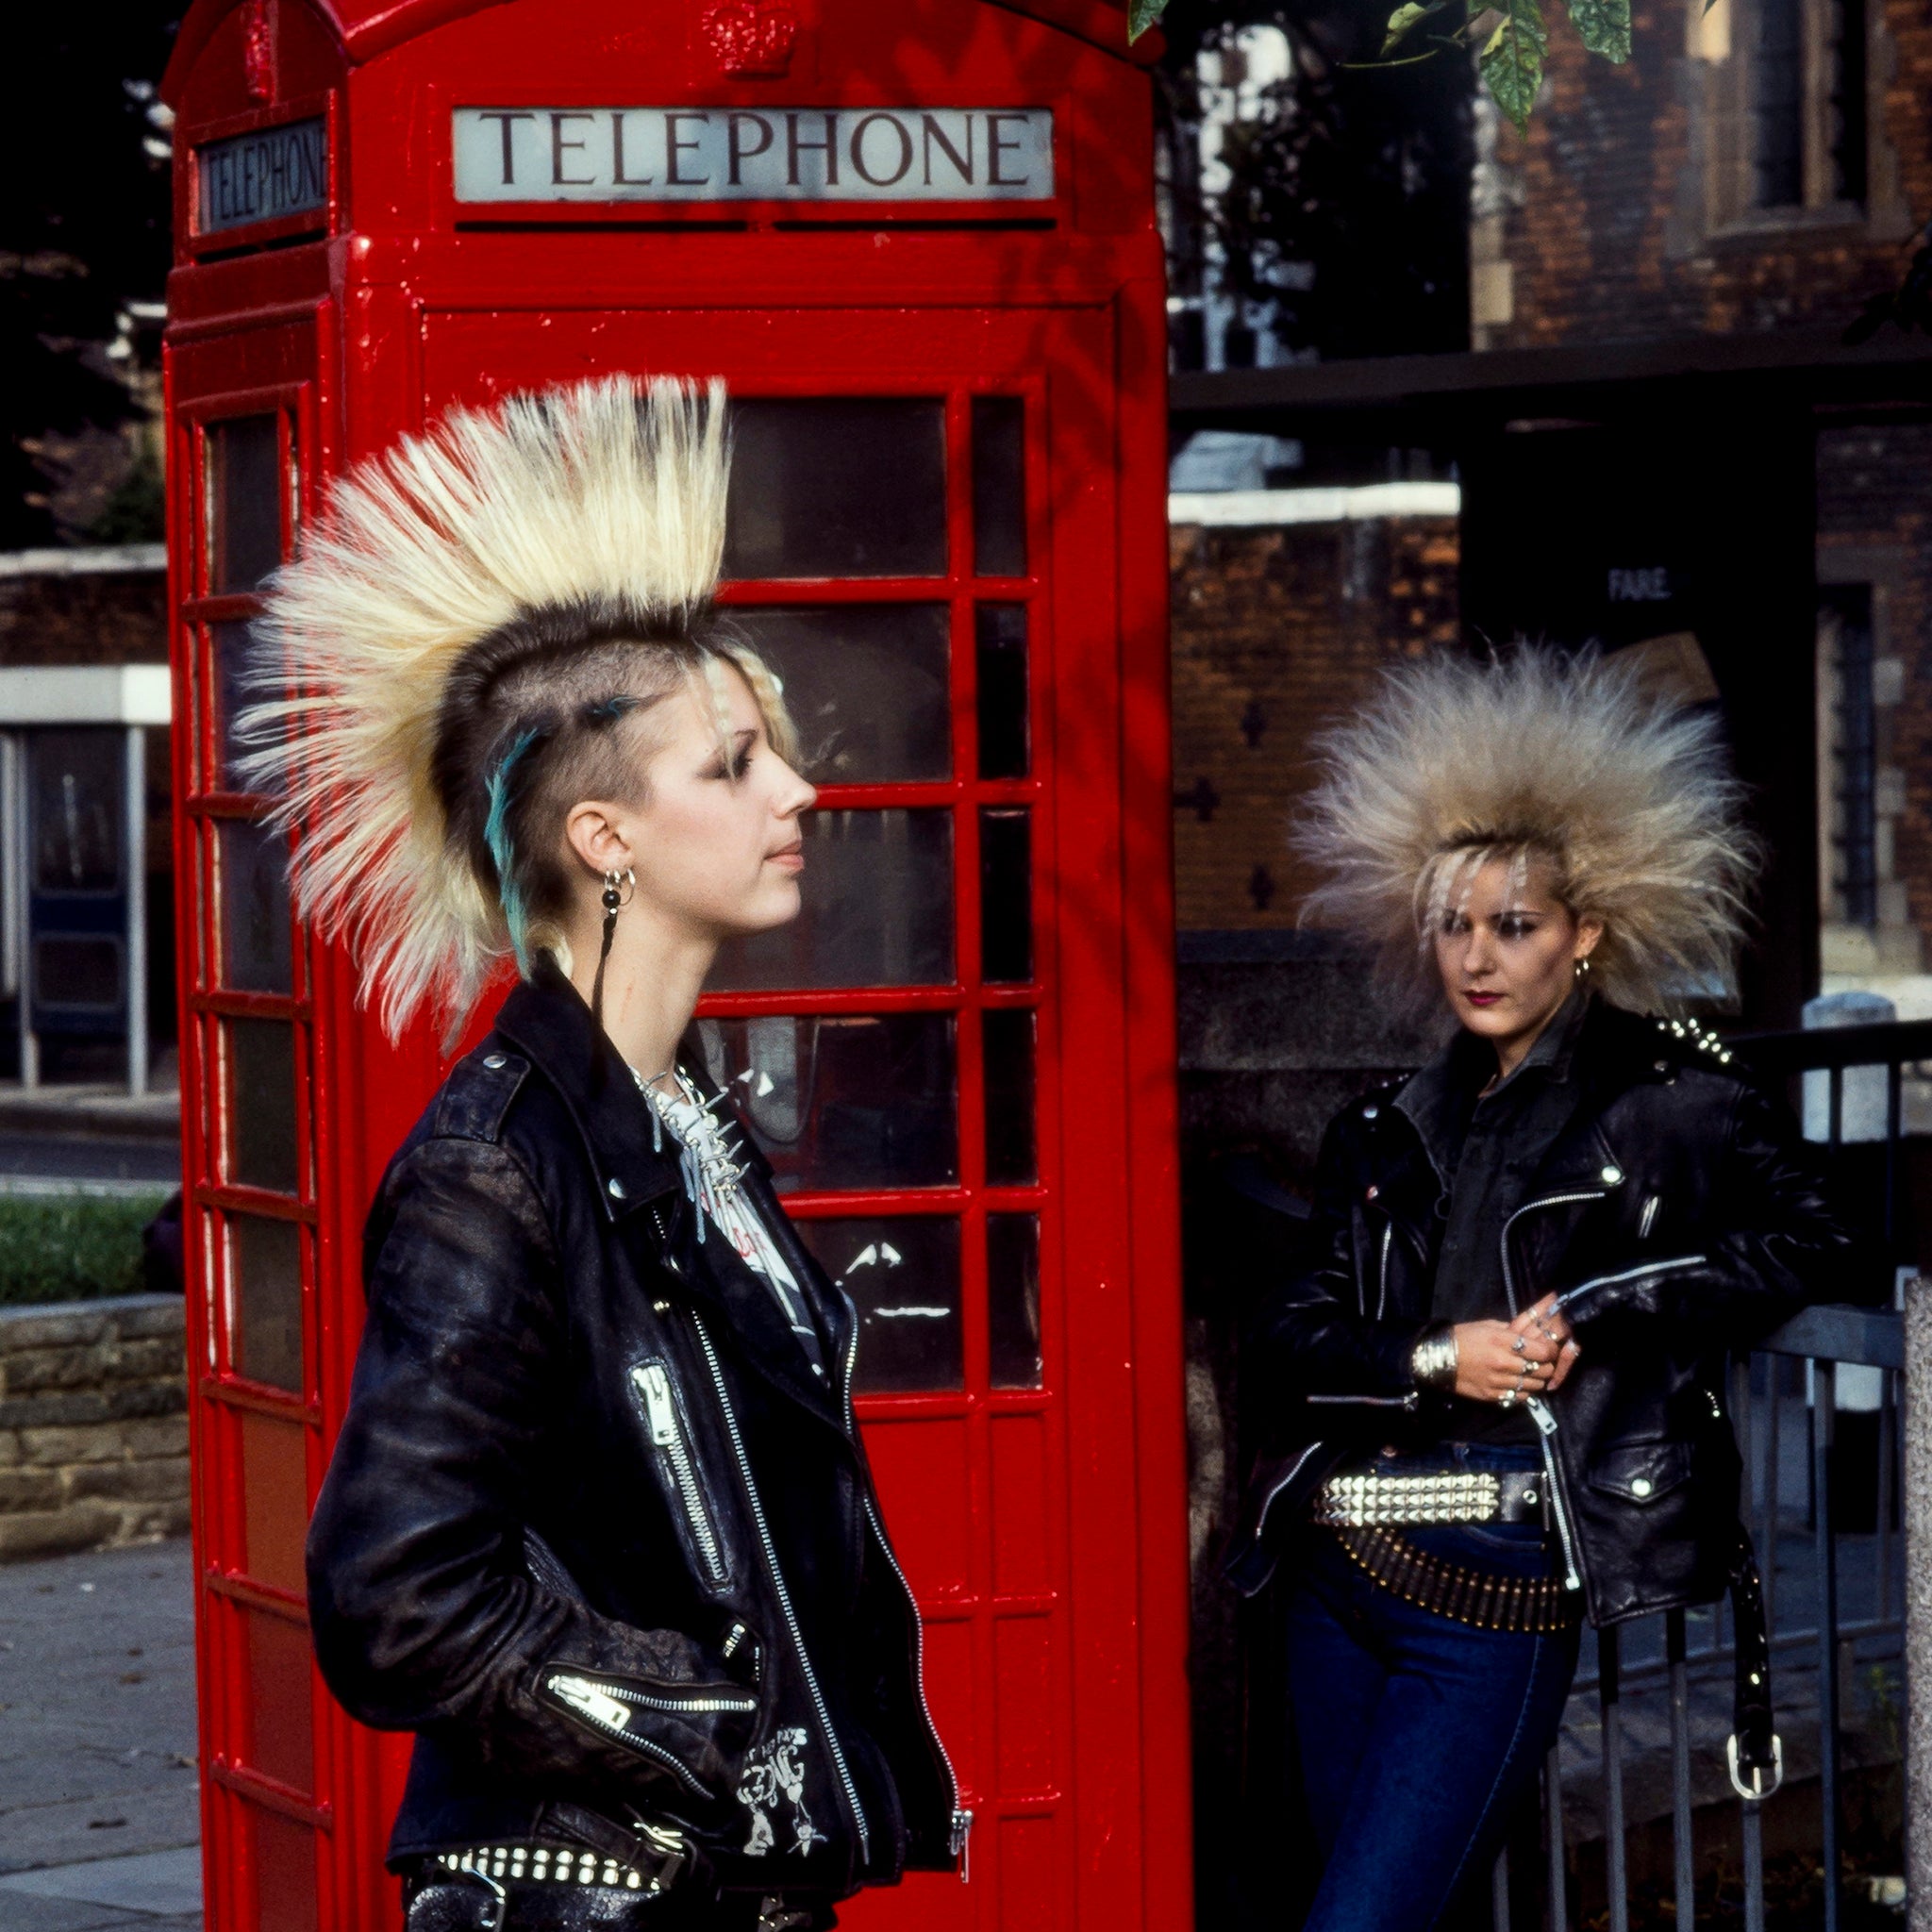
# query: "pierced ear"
{"type": "Point", "coordinates": [594, 835]}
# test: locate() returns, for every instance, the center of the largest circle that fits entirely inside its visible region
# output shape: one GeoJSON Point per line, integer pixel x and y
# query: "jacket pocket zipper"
{"type": "Point", "coordinates": [653, 1383]}
{"type": "Point", "coordinates": [606, 1705]}
{"type": "Point", "coordinates": [1647, 1220]}
{"type": "Point", "coordinates": [1409, 1401]}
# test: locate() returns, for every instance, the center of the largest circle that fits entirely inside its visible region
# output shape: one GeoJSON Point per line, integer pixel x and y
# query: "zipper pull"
{"type": "Point", "coordinates": [1539, 1414]}
{"type": "Point", "coordinates": [582, 1695]}
{"type": "Point", "coordinates": [961, 1843]}
{"type": "Point", "coordinates": [654, 1387]}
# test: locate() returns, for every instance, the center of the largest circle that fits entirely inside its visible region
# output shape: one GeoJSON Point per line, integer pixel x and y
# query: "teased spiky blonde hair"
{"type": "Point", "coordinates": [486, 557]}
{"type": "Point", "coordinates": [1627, 796]}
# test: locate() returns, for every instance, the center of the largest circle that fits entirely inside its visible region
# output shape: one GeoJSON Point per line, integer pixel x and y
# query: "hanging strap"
{"type": "Point", "coordinates": [1756, 1753]}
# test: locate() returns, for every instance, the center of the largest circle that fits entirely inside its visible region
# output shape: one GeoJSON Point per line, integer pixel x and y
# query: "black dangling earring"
{"type": "Point", "coordinates": [615, 898]}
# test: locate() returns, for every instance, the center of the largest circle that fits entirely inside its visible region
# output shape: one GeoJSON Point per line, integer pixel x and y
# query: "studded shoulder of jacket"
{"type": "Point", "coordinates": [474, 1101]}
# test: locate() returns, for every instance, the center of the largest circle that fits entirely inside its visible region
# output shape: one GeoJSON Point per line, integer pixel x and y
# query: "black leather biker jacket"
{"type": "Point", "coordinates": [1678, 1215]}
{"type": "Point", "coordinates": [594, 1528]}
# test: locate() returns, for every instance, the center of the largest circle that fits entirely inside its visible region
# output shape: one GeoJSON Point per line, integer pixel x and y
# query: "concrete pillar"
{"type": "Point", "coordinates": [1918, 1579]}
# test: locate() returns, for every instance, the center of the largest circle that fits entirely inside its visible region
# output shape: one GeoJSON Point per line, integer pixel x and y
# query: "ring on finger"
{"type": "Point", "coordinates": [1517, 1344]}
{"type": "Point", "coordinates": [1507, 1398]}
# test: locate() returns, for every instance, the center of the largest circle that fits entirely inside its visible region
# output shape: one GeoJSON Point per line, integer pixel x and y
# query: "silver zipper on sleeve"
{"type": "Point", "coordinates": [1585, 1289]}
{"type": "Point", "coordinates": [1409, 1401]}
{"type": "Point", "coordinates": [1546, 1425]}
{"type": "Point", "coordinates": [961, 1830]}
{"type": "Point", "coordinates": [1382, 1271]}
{"type": "Point", "coordinates": [653, 1383]}
{"type": "Point", "coordinates": [778, 1590]}
{"type": "Point", "coordinates": [606, 1707]}
{"type": "Point", "coordinates": [1647, 1220]}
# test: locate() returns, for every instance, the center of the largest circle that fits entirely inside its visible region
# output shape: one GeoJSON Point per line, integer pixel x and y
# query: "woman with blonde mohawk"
{"type": "Point", "coordinates": [599, 1527]}
{"type": "Point", "coordinates": [1493, 1393]}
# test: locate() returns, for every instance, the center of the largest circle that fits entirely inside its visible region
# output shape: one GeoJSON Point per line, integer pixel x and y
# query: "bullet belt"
{"type": "Point", "coordinates": [1360, 1499]}
{"type": "Point", "coordinates": [1521, 1605]}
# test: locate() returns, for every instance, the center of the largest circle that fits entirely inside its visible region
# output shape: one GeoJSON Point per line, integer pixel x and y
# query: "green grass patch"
{"type": "Point", "coordinates": [71, 1247]}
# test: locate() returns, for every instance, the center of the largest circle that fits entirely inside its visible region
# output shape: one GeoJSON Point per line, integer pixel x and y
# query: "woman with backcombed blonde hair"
{"type": "Point", "coordinates": [1492, 1395]}
{"type": "Point", "coordinates": [599, 1527]}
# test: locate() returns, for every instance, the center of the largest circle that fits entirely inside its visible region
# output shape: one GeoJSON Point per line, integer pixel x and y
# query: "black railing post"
{"type": "Point", "coordinates": [1558, 1900]}
{"type": "Point", "coordinates": [1684, 1871]}
{"type": "Point", "coordinates": [1823, 1409]}
{"type": "Point", "coordinates": [1609, 1702]}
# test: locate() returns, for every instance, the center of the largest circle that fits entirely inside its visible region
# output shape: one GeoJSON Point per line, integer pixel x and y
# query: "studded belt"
{"type": "Point", "coordinates": [554, 1865]}
{"type": "Point", "coordinates": [1361, 1499]}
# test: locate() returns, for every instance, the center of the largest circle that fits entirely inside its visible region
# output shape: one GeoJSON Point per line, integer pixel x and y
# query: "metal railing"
{"type": "Point", "coordinates": [1833, 1597]}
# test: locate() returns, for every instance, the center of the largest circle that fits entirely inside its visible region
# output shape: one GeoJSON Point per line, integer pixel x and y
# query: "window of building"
{"type": "Point", "coordinates": [1849, 769]}
{"type": "Point", "coordinates": [1789, 128]}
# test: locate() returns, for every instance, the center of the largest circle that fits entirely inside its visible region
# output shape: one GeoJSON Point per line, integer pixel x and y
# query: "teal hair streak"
{"type": "Point", "coordinates": [496, 835]}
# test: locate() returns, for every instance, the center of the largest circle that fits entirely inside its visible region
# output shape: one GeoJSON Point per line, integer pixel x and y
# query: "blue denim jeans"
{"type": "Point", "coordinates": [1417, 1734]}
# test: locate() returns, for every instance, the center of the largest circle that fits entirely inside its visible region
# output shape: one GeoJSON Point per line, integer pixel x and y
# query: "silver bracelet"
{"type": "Point", "coordinates": [1432, 1362]}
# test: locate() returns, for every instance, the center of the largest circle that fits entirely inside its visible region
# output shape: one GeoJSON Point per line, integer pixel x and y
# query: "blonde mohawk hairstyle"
{"type": "Point", "coordinates": [483, 605]}
{"type": "Point", "coordinates": [1627, 796]}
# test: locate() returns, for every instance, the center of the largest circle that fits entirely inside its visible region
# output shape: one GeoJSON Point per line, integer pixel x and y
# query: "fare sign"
{"type": "Point", "coordinates": [745, 154]}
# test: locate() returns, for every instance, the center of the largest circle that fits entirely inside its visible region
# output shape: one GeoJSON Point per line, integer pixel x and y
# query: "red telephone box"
{"type": "Point", "coordinates": [917, 238]}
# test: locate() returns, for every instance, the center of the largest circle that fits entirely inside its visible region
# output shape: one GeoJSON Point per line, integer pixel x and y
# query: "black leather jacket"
{"type": "Point", "coordinates": [1679, 1216]}
{"type": "Point", "coordinates": [594, 1529]}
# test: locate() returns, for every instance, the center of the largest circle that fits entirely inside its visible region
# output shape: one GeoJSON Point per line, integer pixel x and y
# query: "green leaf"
{"type": "Point", "coordinates": [1604, 27]}
{"type": "Point", "coordinates": [1141, 14]}
{"type": "Point", "coordinates": [1405, 17]}
{"type": "Point", "coordinates": [1512, 62]}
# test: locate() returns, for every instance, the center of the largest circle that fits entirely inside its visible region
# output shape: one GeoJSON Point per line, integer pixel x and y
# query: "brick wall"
{"type": "Point", "coordinates": [94, 1424]}
{"type": "Point", "coordinates": [1606, 218]}
{"type": "Point", "coordinates": [1275, 632]}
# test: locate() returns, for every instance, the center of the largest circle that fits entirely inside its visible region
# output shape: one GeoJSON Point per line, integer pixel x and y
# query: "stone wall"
{"type": "Point", "coordinates": [94, 1424]}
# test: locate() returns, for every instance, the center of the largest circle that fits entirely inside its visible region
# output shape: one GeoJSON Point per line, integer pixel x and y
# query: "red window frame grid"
{"type": "Point", "coordinates": [964, 795]}
{"type": "Point", "coordinates": [227, 1397]}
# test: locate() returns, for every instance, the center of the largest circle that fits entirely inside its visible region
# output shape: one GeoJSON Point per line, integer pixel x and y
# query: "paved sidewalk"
{"type": "Point", "coordinates": [98, 1807]}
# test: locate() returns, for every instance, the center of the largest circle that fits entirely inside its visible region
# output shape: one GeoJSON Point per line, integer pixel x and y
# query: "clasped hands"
{"type": "Point", "coordinates": [1504, 1361]}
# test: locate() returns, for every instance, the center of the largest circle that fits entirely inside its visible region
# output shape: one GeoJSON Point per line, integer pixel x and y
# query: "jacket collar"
{"type": "Point", "coordinates": [1439, 1099]}
{"type": "Point", "coordinates": [545, 1019]}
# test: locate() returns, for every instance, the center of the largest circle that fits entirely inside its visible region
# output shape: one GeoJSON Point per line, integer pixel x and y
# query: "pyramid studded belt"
{"type": "Point", "coordinates": [1361, 1499]}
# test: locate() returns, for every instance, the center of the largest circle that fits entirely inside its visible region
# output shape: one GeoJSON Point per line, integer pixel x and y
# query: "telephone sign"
{"type": "Point", "coordinates": [746, 153]}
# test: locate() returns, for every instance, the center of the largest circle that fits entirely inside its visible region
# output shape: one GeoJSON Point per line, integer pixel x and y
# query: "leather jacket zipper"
{"type": "Point", "coordinates": [1539, 1409]}
{"type": "Point", "coordinates": [1382, 1271]}
{"type": "Point", "coordinates": [1552, 1479]}
{"type": "Point", "coordinates": [778, 1590]}
{"type": "Point", "coordinates": [960, 1827]}
{"type": "Point", "coordinates": [653, 1383]}
{"type": "Point", "coordinates": [606, 1705]}
{"type": "Point", "coordinates": [1587, 1288]}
